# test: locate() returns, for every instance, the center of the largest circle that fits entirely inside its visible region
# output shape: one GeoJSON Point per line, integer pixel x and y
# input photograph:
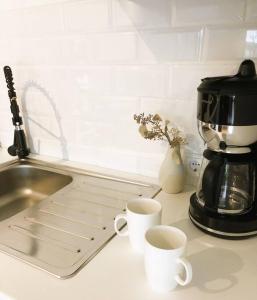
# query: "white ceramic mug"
{"type": "Point", "coordinates": [141, 214]}
{"type": "Point", "coordinates": [164, 250]}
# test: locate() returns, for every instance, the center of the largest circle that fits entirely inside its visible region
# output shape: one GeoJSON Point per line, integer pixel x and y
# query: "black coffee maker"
{"type": "Point", "coordinates": [225, 203]}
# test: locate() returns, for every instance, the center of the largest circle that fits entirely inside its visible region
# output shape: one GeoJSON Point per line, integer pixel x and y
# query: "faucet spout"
{"type": "Point", "coordinates": [19, 146]}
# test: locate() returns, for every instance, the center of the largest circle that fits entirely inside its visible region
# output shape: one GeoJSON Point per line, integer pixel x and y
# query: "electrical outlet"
{"type": "Point", "coordinates": [194, 162]}
{"type": "Point", "coordinates": [194, 165]}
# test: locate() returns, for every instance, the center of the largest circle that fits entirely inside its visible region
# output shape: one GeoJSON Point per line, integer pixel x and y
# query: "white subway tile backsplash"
{"type": "Point", "coordinates": [195, 145]}
{"type": "Point", "coordinates": [163, 107]}
{"type": "Point", "coordinates": [114, 47]}
{"type": "Point", "coordinates": [251, 11]}
{"type": "Point", "coordinates": [49, 51]}
{"type": "Point", "coordinates": [105, 157]}
{"type": "Point", "coordinates": [98, 134]}
{"type": "Point", "coordinates": [149, 164]}
{"type": "Point", "coordinates": [112, 134]}
{"type": "Point", "coordinates": [188, 12]}
{"type": "Point", "coordinates": [185, 79]}
{"type": "Point", "coordinates": [180, 113]}
{"type": "Point", "coordinates": [83, 68]}
{"type": "Point", "coordinates": [118, 159]}
{"type": "Point", "coordinates": [48, 147]}
{"type": "Point", "coordinates": [17, 4]}
{"type": "Point", "coordinates": [141, 13]}
{"type": "Point", "coordinates": [48, 93]}
{"type": "Point", "coordinates": [4, 99]}
{"type": "Point", "coordinates": [34, 21]}
{"type": "Point", "coordinates": [169, 46]}
{"type": "Point", "coordinates": [226, 44]}
{"type": "Point", "coordinates": [77, 50]}
{"type": "Point", "coordinates": [6, 52]}
{"type": "Point", "coordinates": [33, 103]}
{"type": "Point", "coordinates": [89, 81]}
{"type": "Point", "coordinates": [140, 81]}
{"type": "Point", "coordinates": [39, 127]}
{"type": "Point", "coordinates": [251, 43]}
{"type": "Point", "coordinates": [6, 138]}
{"type": "Point", "coordinates": [85, 154]}
{"type": "Point", "coordinates": [68, 128]}
{"type": "Point", "coordinates": [6, 123]}
{"type": "Point", "coordinates": [98, 49]}
{"type": "Point", "coordinates": [84, 16]}
{"type": "Point", "coordinates": [127, 137]}
{"type": "Point", "coordinates": [109, 109]}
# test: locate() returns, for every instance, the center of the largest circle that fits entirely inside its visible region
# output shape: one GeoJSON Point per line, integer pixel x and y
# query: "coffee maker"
{"type": "Point", "coordinates": [225, 202]}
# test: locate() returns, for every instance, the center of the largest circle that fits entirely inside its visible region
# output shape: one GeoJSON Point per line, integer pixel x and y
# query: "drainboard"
{"type": "Point", "coordinates": [65, 230]}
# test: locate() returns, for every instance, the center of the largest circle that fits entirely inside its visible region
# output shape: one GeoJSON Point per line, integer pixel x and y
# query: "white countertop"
{"type": "Point", "coordinates": [221, 268]}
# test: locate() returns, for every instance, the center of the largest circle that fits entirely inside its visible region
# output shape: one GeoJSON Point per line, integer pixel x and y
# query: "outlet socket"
{"type": "Point", "coordinates": [195, 165]}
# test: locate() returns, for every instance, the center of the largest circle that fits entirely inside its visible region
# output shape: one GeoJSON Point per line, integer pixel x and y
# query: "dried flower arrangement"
{"type": "Point", "coordinates": [153, 127]}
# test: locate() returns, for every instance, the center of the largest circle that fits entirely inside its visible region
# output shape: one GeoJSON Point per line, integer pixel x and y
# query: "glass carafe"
{"type": "Point", "coordinates": [227, 182]}
{"type": "Point", "coordinates": [237, 187]}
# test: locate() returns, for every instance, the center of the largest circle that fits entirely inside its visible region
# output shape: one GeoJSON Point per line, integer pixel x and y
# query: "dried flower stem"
{"type": "Point", "coordinates": [159, 129]}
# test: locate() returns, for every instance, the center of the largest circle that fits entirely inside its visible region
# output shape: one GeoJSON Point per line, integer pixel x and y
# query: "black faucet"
{"type": "Point", "coordinates": [19, 146]}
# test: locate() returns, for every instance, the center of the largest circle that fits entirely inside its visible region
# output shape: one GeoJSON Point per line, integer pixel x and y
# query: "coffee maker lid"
{"type": "Point", "coordinates": [244, 82]}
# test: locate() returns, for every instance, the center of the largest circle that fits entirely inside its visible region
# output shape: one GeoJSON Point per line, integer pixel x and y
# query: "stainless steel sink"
{"type": "Point", "coordinates": [24, 185]}
{"type": "Point", "coordinates": [58, 218]}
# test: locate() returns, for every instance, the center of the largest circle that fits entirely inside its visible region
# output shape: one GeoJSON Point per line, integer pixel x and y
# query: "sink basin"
{"type": "Point", "coordinates": [57, 218]}
{"type": "Point", "coordinates": [24, 185]}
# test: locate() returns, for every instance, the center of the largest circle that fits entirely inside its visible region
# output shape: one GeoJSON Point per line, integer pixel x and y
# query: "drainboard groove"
{"type": "Point", "coordinates": [33, 220]}
{"type": "Point", "coordinates": [99, 204]}
{"type": "Point", "coordinates": [77, 208]}
{"type": "Point", "coordinates": [83, 202]}
{"type": "Point", "coordinates": [107, 198]}
{"type": "Point", "coordinates": [71, 219]}
{"type": "Point", "coordinates": [105, 191]}
{"type": "Point", "coordinates": [115, 189]}
{"type": "Point", "coordinates": [75, 213]}
{"type": "Point", "coordinates": [29, 233]}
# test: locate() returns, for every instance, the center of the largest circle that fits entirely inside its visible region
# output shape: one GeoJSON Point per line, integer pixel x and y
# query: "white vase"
{"type": "Point", "coordinates": [172, 173]}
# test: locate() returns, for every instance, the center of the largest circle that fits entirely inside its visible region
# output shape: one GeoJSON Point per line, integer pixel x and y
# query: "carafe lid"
{"type": "Point", "coordinates": [244, 82]}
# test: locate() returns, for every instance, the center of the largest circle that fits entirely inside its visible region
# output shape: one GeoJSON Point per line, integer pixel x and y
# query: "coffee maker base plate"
{"type": "Point", "coordinates": [223, 226]}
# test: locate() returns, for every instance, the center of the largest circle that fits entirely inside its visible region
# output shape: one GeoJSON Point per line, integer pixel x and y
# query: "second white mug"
{"type": "Point", "coordinates": [164, 258]}
{"type": "Point", "coordinates": [141, 214]}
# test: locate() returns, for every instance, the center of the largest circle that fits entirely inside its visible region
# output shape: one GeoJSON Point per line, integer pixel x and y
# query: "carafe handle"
{"type": "Point", "coordinates": [210, 182]}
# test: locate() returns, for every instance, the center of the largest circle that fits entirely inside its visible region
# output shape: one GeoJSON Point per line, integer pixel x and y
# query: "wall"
{"type": "Point", "coordinates": [83, 68]}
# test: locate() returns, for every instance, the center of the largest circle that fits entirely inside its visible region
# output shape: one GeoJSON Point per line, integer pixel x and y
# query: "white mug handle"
{"type": "Point", "coordinates": [188, 268]}
{"type": "Point", "coordinates": [116, 220]}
